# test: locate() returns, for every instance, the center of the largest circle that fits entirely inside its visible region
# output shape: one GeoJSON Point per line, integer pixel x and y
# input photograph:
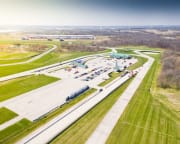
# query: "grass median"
{"type": "Point", "coordinates": [10, 131]}
{"type": "Point", "coordinates": [6, 115]}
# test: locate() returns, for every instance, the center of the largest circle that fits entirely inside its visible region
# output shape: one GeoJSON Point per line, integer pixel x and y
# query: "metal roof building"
{"type": "Point", "coordinates": [41, 36]}
{"type": "Point", "coordinates": [120, 56]}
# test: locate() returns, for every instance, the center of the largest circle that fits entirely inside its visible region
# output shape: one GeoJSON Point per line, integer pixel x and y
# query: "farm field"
{"type": "Point", "coordinates": [15, 87]}
{"type": "Point", "coordinates": [6, 115]}
{"type": "Point", "coordinates": [147, 118]}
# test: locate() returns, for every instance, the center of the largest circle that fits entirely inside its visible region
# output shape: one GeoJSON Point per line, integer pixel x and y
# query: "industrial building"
{"type": "Point", "coordinates": [60, 37]}
{"type": "Point", "coordinates": [120, 56]}
{"type": "Point", "coordinates": [79, 63]}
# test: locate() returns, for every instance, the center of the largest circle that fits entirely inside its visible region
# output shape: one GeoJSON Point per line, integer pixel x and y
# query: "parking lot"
{"type": "Point", "coordinates": [97, 69]}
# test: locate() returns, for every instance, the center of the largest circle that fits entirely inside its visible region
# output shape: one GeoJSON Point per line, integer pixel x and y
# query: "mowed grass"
{"type": "Point", "coordinates": [48, 59]}
{"type": "Point", "coordinates": [32, 126]}
{"type": "Point", "coordinates": [6, 115]}
{"type": "Point", "coordinates": [13, 130]}
{"type": "Point", "coordinates": [16, 57]}
{"type": "Point", "coordinates": [139, 63]}
{"type": "Point", "coordinates": [146, 120]}
{"type": "Point", "coordinates": [79, 131]}
{"type": "Point", "coordinates": [15, 87]}
{"type": "Point", "coordinates": [125, 51]}
{"type": "Point", "coordinates": [112, 76]}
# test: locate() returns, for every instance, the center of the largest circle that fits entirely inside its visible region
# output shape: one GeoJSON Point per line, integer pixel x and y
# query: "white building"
{"type": "Point", "coordinates": [39, 36]}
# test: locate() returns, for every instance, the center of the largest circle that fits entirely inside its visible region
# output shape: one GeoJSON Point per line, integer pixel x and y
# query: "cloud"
{"type": "Point", "coordinates": [89, 12]}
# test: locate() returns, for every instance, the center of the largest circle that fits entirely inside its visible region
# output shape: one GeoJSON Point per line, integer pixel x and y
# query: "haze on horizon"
{"type": "Point", "coordinates": [90, 12]}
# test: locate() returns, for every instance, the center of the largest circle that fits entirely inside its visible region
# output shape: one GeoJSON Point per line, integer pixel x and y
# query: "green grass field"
{"type": "Point", "coordinates": [125, 51]}
{"type": "Point", "coordinates": [13, 61]}
{"type": "Point", "coordinates": [79, 131]}
{"type": "Point", "coordinates": [146, 120]}
{"type": "Point", "coordinates": [10, 131]}
{"type": "Point", "coordinates": [32, 126]}
{"type": "Point", "coordinates": [6, 115]}
{"type": "Point", "coordinates": [15, 87]}
{"type": "Point", "coordinates": [18, 51]}
{"type": "Point", "coordinates": [139, 63]}
{"type": "Point", "coordinates": [16, 55]}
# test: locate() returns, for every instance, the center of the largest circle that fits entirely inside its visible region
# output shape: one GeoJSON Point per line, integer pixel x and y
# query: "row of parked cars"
{"type": "Point", "coordinates": [86, 73]}
{"type": "Point", "coordinates": [96, 73]}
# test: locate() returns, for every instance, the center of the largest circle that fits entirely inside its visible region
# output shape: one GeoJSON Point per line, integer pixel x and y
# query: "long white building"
{"type": "Point", "coordinates": [40, 36]}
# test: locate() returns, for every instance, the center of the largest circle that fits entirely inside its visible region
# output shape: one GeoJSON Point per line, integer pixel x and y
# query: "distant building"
{"type": "Point", "coordinates": [120, 56]}
{"type": "Point", "coordinates": [61, 37]}
{"type": "Point", "coordinates": [80, 63]}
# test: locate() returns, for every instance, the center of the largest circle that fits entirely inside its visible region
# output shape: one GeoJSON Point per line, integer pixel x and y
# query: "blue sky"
{"type": "Point", "coordinates": [90, 12]}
